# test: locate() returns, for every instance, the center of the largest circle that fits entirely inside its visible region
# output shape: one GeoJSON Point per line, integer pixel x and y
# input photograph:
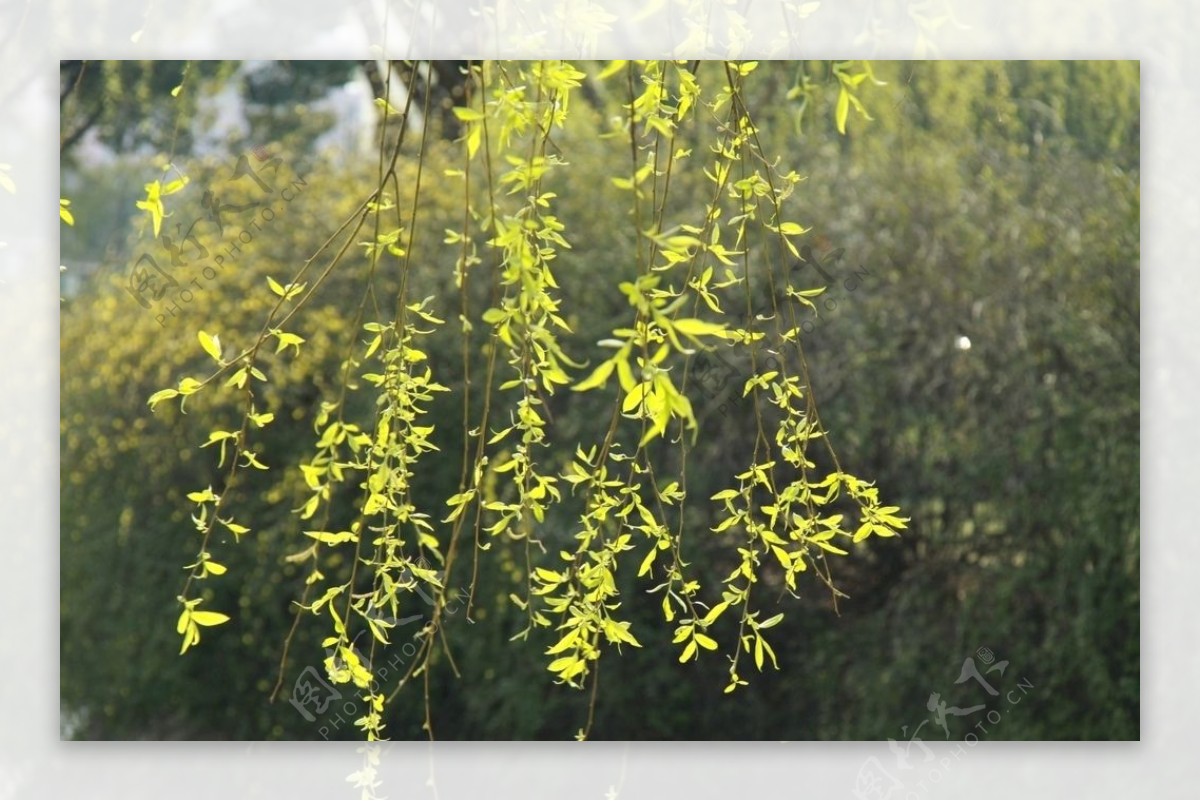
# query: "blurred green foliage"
{"type": "Point", "coordinates": [994, 205]}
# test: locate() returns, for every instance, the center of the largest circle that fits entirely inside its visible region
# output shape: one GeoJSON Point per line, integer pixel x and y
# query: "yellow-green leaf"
{"type": "Point", "coordinates": [715, 612]}
{"type": "Point", "coordinates": [612, 69]}
{"type": "Point", "coordinates": [843, 109]}
{"type": "Point", "coordinates": [385, 106]}
{"type": "Point", "coordinates": [211, 345]}
{"type": "Point", "coordinates": [189, 386]}
{"type": "Point", "coordinates": [598, 377]}
{"type": "Point", "coordinates": [153, 204]}
{"type": "Point", "coordinates": [697, 328]}
{"type": "Point", "coordinates": [175, 186]}
{"type": "Point", "coordinates": [330, 538]}
{"type": "Point", "coordinates": [209, 618]}
{"type": "Point", "coordinates": [162, 395]}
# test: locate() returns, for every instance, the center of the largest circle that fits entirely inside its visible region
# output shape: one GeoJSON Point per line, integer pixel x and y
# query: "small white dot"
{"type": "Point", "coordinates": [963, 343]}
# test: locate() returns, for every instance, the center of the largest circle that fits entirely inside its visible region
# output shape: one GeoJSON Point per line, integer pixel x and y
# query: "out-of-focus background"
{"type": "Point", "coordinates": [976, 354]}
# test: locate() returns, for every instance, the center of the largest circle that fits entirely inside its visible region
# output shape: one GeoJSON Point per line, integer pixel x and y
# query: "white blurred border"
{"type": "Point", "coordinates": [35, 34]}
